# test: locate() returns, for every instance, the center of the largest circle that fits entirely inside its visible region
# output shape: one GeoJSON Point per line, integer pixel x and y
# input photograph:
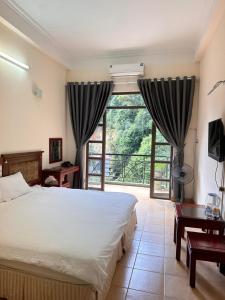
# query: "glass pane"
{"type": "Point", "coordinates": [94, 182]}
{"type": "Point", "coordinates": [162, 171]}
{"type": "Point", "coordinates": [162, 152]}
{"type": "Point", "coordinates": [95, 149]}
{"type": "Point", "coordinates": [113, 168]}
{"type": "Point", "coordinates": [161, 189]}
{"type": "Point", "coordinates": [159, 137]}
{"type": "Point", "coordinates": [94, 166]}
{"type": "Point", "coordinates": [97, 135]}
{"type": "Point", "coordinates": [128, 131]}
{"type": "Point", "coordinates": [128, 146]}
{"type": "Point", "coordinates": [126, 100]}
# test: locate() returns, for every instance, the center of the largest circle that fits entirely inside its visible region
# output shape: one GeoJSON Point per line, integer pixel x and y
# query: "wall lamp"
{"type": "Point", "coordinates": [14, 61]}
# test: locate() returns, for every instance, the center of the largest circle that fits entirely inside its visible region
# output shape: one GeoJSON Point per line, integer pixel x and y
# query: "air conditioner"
{"type": "Point", "coordinates": [127, 70]}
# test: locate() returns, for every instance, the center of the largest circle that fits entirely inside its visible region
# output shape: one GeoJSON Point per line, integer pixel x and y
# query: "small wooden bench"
{"type": "Point", "coordinates": [207, 247]}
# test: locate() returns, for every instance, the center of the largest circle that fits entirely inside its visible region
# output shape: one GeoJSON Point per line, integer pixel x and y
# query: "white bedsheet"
{"type": "Point", "coordinates": [69, 231]}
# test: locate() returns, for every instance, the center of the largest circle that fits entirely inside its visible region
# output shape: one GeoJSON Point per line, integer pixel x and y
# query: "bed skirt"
{"type": "Point", "coordinates": [19, 285]}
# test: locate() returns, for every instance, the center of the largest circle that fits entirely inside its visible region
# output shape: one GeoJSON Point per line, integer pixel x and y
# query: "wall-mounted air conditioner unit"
{"type": "Point", "coordinates": [127, 70]}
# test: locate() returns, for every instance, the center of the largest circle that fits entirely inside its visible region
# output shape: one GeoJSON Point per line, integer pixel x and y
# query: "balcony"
{"type": "Point", "coordinates": [132, 170]}
{"type": "Point", "coordinates": [127, 169]}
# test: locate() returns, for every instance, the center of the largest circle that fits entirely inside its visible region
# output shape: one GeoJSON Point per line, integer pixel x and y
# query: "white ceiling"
{"type": "Point", "coordinates": [86, 28]}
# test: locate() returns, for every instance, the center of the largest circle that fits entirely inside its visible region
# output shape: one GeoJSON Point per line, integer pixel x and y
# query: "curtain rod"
{"type": "Point", "coordinates": [132, 82]}
{"type": "Point", "coordinates": [135, 82]}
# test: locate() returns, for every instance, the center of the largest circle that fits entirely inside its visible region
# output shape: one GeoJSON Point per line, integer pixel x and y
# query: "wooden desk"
{"type": "Point", "coordinates": [61, 174]}
{"type": "Point", "coordinates": [207, 247]}
{"type": "Point", "coordinates": [192, 215]}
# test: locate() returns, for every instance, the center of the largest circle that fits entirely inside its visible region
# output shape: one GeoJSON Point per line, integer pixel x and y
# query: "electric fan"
{"type": "Point", "coordinates": [183, 174]}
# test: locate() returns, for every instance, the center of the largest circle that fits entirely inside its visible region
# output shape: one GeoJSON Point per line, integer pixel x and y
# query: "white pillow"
{"type": "Point", "coordinates": [13, 186]}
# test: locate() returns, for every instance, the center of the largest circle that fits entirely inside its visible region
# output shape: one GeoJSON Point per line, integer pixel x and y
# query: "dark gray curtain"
{"type": "Point", "coordinates": [170, 105]}
{"type": "Point", "coordinates": [87, 103]}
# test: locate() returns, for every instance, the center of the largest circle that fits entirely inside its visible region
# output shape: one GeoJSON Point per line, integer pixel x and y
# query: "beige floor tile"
{"type": "Point", "coordinates": [209, 271]}
{"type": "Point", "coordinates": [154, 228]}
{"type": "Point", "coordinates": [169, 239]}
{"type": "Point", "coordinates": [140, 216]}
{"type": "Point", "coordinates": [137, 235]}
{"type": "Point", "coordinates": [147, 281]}
{"type": "Point", "coordinates": [122, 276]}
{"type": "Point", "coordinates": [169, 230]}
{"type": "Point", "coordinates": [138, 295]}
{"type": "Point", "coordinates": [207, 290]}
{"type": "Point", "coordinates": [172, 267]}
{"type": "Point", "coordinates": [140, 226]}
{"type": "Point", "coordinates": [149, 263]}
{"type": "Point", "coordinates": [134, 246]}
{"type": "Point", "coordinates": [151, 249]}
{"type": "Point", "coordinates": [128, 259]}
{"type": "Point", "coordinates": [116, 293]}
{"type": "Point", "coordinates": [176, 287]}
{"type": "Point", "coordinates": [169, 223]}
{"type": "Point", "coordinates": [159, 215]}
{"type": "Point", "coordinates": [170, 251]}
{"type": "Point", "coordinates": [155, 221]}
{"type": "Point", "coordinates": [151, 237]}
{"type": "Point", "coordinates": [169, 213]}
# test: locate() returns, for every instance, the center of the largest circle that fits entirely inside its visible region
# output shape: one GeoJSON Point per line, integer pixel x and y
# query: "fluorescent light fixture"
{"type": "Point", "coordinates": [13, 61]}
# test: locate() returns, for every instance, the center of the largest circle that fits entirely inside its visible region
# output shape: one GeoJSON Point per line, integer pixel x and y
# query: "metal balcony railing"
{"type": "Point", "coordinates": [127, 169]}
{"type": "Point", "coordinates": [130, 169]}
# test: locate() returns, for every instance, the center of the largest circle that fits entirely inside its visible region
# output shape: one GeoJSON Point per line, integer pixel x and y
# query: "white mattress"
{"type": "Point", "coordinates": [73, 232]}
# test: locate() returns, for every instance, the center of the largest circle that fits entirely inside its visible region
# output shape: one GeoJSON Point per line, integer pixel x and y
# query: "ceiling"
{"type": "Point", "coordinates": [99, 28]}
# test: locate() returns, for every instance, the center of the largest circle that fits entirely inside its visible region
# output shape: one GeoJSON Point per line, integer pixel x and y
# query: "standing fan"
{"type": "Point", "coordinates": [183, 174]}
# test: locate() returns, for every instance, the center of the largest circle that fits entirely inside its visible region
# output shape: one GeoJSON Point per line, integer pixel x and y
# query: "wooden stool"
{"type": "Point", "coordinates": [207, 247]}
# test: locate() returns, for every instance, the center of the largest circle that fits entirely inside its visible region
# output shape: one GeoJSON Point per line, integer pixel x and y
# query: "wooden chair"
{"type": "Point", "coordinates": [206, 247]}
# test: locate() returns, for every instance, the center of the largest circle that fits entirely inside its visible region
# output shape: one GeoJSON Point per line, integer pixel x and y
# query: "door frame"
{"type": "Point", "coordinates": [102, 158]}
{"type": "Point", "coordinates": [152, 167]}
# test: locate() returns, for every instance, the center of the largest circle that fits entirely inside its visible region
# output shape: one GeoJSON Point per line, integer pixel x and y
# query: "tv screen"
{"type": "Point", "coordinates": [216, 147]}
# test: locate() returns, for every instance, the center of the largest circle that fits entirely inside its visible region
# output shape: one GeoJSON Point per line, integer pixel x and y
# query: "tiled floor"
{"type": "Point", "coordinates": [149, 271]}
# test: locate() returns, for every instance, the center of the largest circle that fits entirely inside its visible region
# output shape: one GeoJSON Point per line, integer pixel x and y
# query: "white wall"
{"type": "Point", "coordinates": [27, 122]}
{"type": "Point", "coordinates": [212, 69]}
{"type": "Point", "coordinates": [156, 65]}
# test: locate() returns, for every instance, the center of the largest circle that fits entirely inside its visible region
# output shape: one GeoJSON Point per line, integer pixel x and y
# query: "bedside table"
{"type": "Point", "coordinates": [61, 174]}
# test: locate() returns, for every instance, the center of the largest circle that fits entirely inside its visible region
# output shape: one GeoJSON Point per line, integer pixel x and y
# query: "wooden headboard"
{"type": "Point", "coordinates": [28, 163]}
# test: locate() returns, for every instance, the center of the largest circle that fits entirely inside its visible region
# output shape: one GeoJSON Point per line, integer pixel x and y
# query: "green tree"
{"type": "Point", "coordinates": [129, 133]}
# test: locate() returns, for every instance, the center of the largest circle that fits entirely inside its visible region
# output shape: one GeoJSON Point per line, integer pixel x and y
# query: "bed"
{"type": "Point", "coordinates": [58, 243]}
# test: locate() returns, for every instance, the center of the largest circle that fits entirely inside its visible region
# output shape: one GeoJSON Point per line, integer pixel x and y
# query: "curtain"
{"type": "Point", "coordinates": [87, 104]}
{"type": "Point", "coordinates": [170, 104]}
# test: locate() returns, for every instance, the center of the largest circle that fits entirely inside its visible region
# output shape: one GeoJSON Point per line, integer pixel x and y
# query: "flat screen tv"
{"type": "Point", "coordinates": [216, 140]}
